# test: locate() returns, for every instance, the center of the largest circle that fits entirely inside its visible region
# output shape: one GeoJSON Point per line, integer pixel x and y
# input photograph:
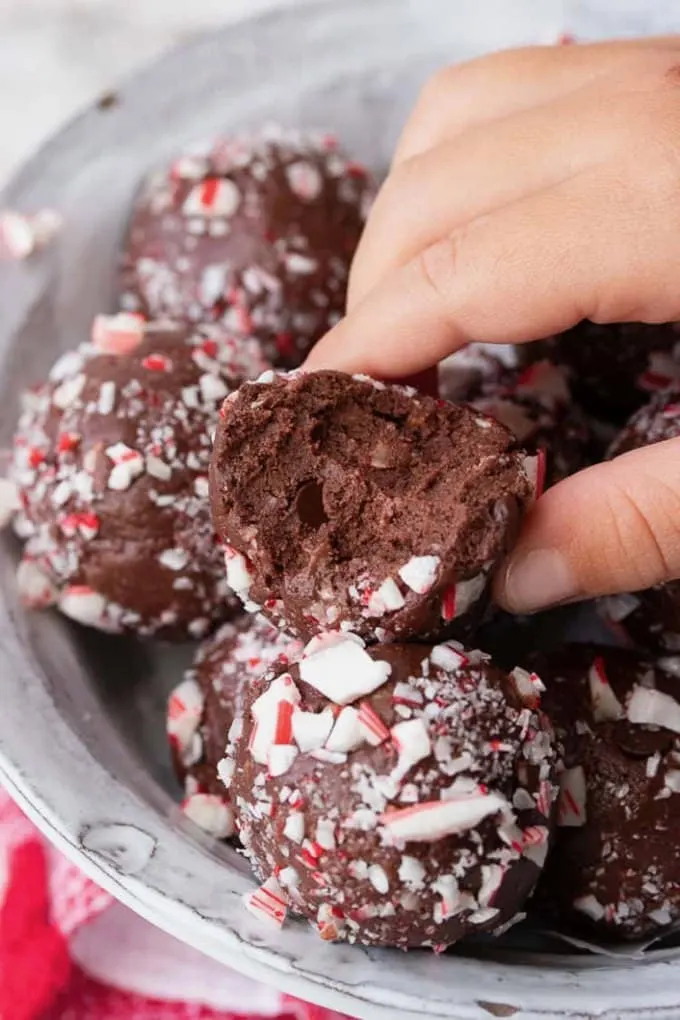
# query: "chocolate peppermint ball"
{"type": "Point", "coordinates": [399, 795]}
{"type": "Point", "coordinates": [202, 708]}
{"type": "Point", "coordinates": [536, 406]}
{"type": "Point", "coordinates": [613, 870]}
{"type": "Point", "coordinates": [257, 233]}
{"type": "Point", "coordinates": [613, 369]}
{"type": "Point", "coordinates": [356, 505]}
{"type": "Point", "coordinates": [649, 618]}
{"type": "Point", "coordinates": [463, 375]}
{"type": "Point", "coordinates": [111, 459]}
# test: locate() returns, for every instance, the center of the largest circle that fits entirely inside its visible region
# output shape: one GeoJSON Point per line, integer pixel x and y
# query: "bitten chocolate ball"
{"type": "Point", "coordinates": [650, 618]}
{"type": "Point", "coordinates": [614, 369]}
{"type": "Point", "coordinates": [356, 505]}
{"type": "Point", "coordinates": [111, 459]}
{"type": "Point", "coordinates": [536, 406]}
{"type": "Point", "coordinates": [614, 868]}
{"type": "Point", "coordinates": [202, 708]}
{"type": "Point", "coordinates": [399, 795]}
{"type": "Point", "coordinates": [257, 233]}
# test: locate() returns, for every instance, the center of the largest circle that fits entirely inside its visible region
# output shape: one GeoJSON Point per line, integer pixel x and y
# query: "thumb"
{"type": "Point", "coordinates": [612, 528]}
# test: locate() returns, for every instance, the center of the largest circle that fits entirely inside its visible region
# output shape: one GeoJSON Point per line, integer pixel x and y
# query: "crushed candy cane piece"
{"type": "Point", "coordinates": [618, 607]}
{"type": "Point", "coordinates": [374, 730]}
{"type": "Point", "coordinates": [117, 334]}
{"type": "Point", "coordinates": [420, 573]}
{"type": "Point", "coordinates": [606, 706]}
{"type": "Point", "coordinates": [386, 599]}
{"type": "Point", "coordinates": [460, 597]}
{"type": "Point", "coordinates": [449, 656]}
{"type": "Point", "coordinates": [311, 729]}
{"type": "Point", "coordinates": [535, 470]}
{"type": "Point", "coordinates": [9, 501]}
{"type": "Point", "coordinates": [83, 604]}
{"type": "Point", "coordinates": [648, 707]}
{"type": "Point", "coordinates": [433, 820]}
{"type": "Point", "coordinates": [214, 196]}
{"type": "Point", "coordinates": [343, 671]}
{"type": "Point", "coordinates": [268, 903]}
{"type": "Point", "coordinates": [571, 804]}
{"type": "Point", "coordinates": [347, 734]}
{"type": "Point", "coordinates": [412, 741]}
{"type": "Point", "coordinates": [185, 707]}
{"type": "Point", "coordinates": [528, 687]}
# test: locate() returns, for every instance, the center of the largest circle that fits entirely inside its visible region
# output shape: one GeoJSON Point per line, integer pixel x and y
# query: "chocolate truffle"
{"type": "Point", "coordinates": [202, 708]}
{"type": "Point", "coordinates": [613, 369]}
{"type": "Point", "coordinates": [258, 233]}
{"type": "Point", "coordinates": [355, 505]}
{"type": "Point", "coordinates": [650, 618]}
{"type": "Point", "coordinates": [536, 406]}
{"type": "Point", "coordinates": [614, 869]}
{"type": "Point", "coordinates": [111, 461]}
{"type": "Point", "coordinates": [399, 795]}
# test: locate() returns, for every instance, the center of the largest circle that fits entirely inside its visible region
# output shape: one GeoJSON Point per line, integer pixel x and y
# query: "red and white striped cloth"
{"type": "Point", "coordinates": [68, 951]}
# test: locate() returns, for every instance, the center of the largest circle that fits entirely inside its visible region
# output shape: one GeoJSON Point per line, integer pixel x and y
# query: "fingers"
{"type": "Point", "coordinates": [429, 196]}
{"type": "Point", "coordinates": [499, 84]}
{"type": "Point", "coordinates": [612, 528]}
{"type": "Point", "coordinates": [585, 248]}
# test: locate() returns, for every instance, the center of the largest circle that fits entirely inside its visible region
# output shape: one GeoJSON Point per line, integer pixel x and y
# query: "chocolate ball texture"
{"type": "Point", "coordinates": [613, 871]}
{"type": "Point", "coordinates": [649, 618]}
{"type": "Point", "coordinates": [614, 369]}
{"type": "Point", "coordinates": [396, 795]}
{"type": "Point", "coordinates": [111, 460]}
{"type": "Point", "coordinates": [257, 233]}
{"type": "Point", "coordinates": [202, 708]}
{"type": "Point", "coordinates": [352, 504]}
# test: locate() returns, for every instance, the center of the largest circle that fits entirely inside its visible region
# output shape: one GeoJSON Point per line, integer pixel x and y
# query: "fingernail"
{"type": "Point", "coordinates": [536, 580]}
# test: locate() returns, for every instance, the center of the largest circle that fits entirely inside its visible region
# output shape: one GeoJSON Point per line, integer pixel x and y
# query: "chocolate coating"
{"type": "Point", "coordinates": [111, 458]}
{"type": "Point", "coordinates": [536, 406]}
{"type": "Point", "coordinates": [353, 504]}
{"type": "Point", "coordinates": [614, 869]}
{"type": "Point", "coordinates": [257, 232]}
{"type": "Point", "coordinates": [650, 618]}
{"type": "Point", "coordinates": [614, 368]}
{"type": "Point", "coordinates": [436, 829]}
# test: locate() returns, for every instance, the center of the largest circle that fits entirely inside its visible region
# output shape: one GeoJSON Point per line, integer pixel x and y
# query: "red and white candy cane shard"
{"type": "Point", "coordinates": [117, 334]}
{"type": "Point", "coordinates": [412, 741]}
{"type": "Point", "coordinates": [374, 730]}
{"type": "Point", "coordinates": [571, 806]}
{"type": "Point", "coordinates": [405, 694]}
{"type": "Point", "coordinates": [346, 734]}
{"type": "Point", "coordinates": [528, 687]}
{"type": "Point", "coordinates": [185, 707]}
{"type": "Point", "coordinates": [329, 923]}
{"type": "Point", "coordinates": [662, 371]}
{"type": "Point", "coordinates": [420, 573]}
{"type": "Point", "coordinates": [311, 730]}
{"type": "Point", "coordinates": [344, 671]}
{"type": "Point", "coordinates": [280, 757]}
{"type": "Point", "coordinates": [492, 880]}
{"type": "Point", "coordinates": [433, 820]}
{"type": "Point", "coordinates": [606, 706]}
{"type": "Point", "coordinates": [386, 599]}
{"type": "Point", "coordinates": [214, 196]}
{"type": "Point", "coordinates": [36, 590]}
{"type": "Point", "coordinates": [649, 707]}
{"type": "Point", "coordinates": [83, 604]}
{"type": "Point", "coordinates": [157, 363]}
{"type": "Point", "coordinates": [268, 903]}
{"type": "Point", "coordinates": [460, 597]}
{"type": "Point", "coordinates": [535, 470]}
{"type": "Point", "coordinates": [211, 813]}
{"type": "Point", "coordinates": [544, 379]}
{"type": "Point", "coordinates": [283, 729]}
{"type": "Point", "coordinates": [545, 798]}
{"type": "Point", "coordinates": [449, 656]}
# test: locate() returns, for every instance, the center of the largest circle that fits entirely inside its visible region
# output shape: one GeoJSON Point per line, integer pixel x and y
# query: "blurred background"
{"type": "Point", "coordinates": [56, 56]}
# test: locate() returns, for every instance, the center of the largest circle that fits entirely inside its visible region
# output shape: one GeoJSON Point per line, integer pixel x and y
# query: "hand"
{"type": "Point", "coordinates": [532, 189]}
